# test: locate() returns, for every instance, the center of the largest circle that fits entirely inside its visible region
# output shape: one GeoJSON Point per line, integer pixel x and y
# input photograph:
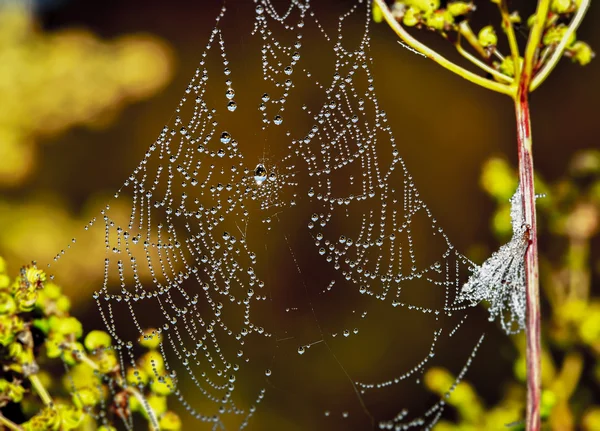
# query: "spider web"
{"type": "Point", "coordinates": [278, 244]}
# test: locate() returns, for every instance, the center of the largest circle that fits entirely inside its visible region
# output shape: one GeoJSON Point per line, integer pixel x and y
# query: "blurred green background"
{"type": "Point", "coordinates": [86, 86]}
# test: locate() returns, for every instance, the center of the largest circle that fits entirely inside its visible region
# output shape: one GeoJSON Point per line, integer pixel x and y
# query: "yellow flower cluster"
{"type": "Point", "coordinates": [36, 327]}
{"type": "Point", "coordinates": [52, 81]}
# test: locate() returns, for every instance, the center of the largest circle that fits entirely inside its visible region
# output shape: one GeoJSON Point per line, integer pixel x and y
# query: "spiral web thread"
{"type": "Point", "coordinates": [197, 195]}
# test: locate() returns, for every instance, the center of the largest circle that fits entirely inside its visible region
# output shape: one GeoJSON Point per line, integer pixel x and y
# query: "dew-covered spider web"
{"type": "Point", "coordinates": [275, 240]}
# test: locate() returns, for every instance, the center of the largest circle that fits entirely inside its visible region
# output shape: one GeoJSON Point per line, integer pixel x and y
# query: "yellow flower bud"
{"type": "Point", "coordinates": [137, 376]}
{"type": "Point", "coordinates": [162, 385]}
{"type": "Point", "coordinates": [66, 326]}
{"type": "Point", "coordinates": [152, 363]}
{"type": "Point", "coordinates": [411, 17]}
{"type": "Point", "coordinates": [377, 13]}
{"type": "Point", "coordinates": [54, 345]}
{"type": "Point", "coordinates": [26, 299]}
{"type": "Point", "coordinates": [71, 355]}
{"type": "Point", "coordinates": [97, 340]}
{"type": "Point", "coordinates": [581, 53]}
{"type": "Point", "coordinates": [150, 339]}
{"type": "Point", "coordinates": [70, 416]}
{"type": "Point", "coordinates": [438, 380]}
{"type": "Point", "coordinates": [86, 397]}
{"type": "Point", "coordinates": [591, 419]}
{"type": "Point", "coordinates": [7, 304]}
{"type": "Point", "coordinates": [52, 291]}
{"type": "Point", "coordinates": [507, 66]}
{"type": "Point", "coordinates": [425, 6]}
{"type": "Point", "coordinates": [440, 20]}
{"type": "Point", "coordinates": [549, 399]}
{"type": "Point", "coordinates": [459, 8]}
{"type": "Point", "coordinates": [63, 304]}
{"type": "Point", "coordinates": [561, 6]}
{"type": "Point", "coordinates": [487, 37]}
{"type": "Point", "coordinates": [34, 276]}
{"type": "Point", "coordinates": [554, 35]}
{"type": "Point", "coordinates": [107, 361]}
{"type": "Point", "coordinates": [170, 421]}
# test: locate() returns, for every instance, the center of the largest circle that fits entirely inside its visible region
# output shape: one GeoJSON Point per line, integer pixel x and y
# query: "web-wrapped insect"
{"type": "Point", "coordinates": [500, 280]}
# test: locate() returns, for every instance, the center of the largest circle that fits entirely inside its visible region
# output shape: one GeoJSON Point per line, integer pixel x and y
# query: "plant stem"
{"type": "Point", "coordinates": [439, 59]}
{"type": "Point", "coordinates": [41, 390]}
{"type": "Point", "coordinates": [558, 51]}
{"type": "Point", "coordinates": [526, 183]}
{"type": "Point", "coordinates": [153, 420]}
{"type": "Point", "coordinates": [9, 424]}
{"type": "Point", "coordinates": [510, 34]}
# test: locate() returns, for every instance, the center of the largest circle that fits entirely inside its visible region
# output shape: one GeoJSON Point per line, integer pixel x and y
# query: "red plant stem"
{"type": "Point", "coordinates": [526, 183]}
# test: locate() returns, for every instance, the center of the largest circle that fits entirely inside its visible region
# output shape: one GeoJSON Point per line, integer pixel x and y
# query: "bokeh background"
{"type": "Point", "coordinates": [86, 86]}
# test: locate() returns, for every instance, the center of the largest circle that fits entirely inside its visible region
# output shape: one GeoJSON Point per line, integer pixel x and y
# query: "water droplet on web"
{"type": "Point", "coordinates": [260, 174]}
{"type": "Point", "coordinates": [337, 144]}
{"type": "Point", "coordinates": [225, 137]}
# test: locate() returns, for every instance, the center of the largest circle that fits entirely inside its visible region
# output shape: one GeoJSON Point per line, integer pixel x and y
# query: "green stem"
{"type": "Point", "coordinates": [535, 37]}
{"type": "Point", "coordinates": [464, 29]}
{"type": "Point", "coordinates": [41, 390]}
{"type": "Point", "coordinates": [153, 422]}
{"type": "Point", "coordinates": [153, 425]}
{"type": "Point", "coordinates": [9, 424]}
{"type": "Point", "coordinates": [499, 75]}
{"type": "Point", "coordinates": [558, 51]}
{"type": "Point", "coordinates": [510, 34]}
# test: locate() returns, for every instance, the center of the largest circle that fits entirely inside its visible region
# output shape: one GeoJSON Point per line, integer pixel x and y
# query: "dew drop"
{"type": "Point", "coordinates": [260, 174]}
{"type": "Point", "coordinates": [225, 137]}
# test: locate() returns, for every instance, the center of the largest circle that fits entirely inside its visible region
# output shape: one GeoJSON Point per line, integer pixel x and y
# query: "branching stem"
{"type": "Point", "coordinates": [153, 421]}
{"type": "Point", "coordinates": [464, 29]}
{"type": "Point", "coordinates": [535, 37]}
{"type": "Point", "coordinates": [510, 34]}
{"type": "Point", "coordinates": [499, 75]}
{"type": "Point", "coordinates": [549, 65]}
{"type": "Point", "coordinates": [439, 59]}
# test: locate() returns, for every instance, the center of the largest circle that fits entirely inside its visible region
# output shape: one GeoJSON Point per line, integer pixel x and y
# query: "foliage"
{"type": "Point", "coordinates": [451, 20]}
{"type": "Point", "coordinates": [551, 35]}
{"type": "Point", "coordinates": [50, 82]}
{"type": "Point", "coordinates": [570, 214]}
{"type": "Point", "coordinates": [37, 332]}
